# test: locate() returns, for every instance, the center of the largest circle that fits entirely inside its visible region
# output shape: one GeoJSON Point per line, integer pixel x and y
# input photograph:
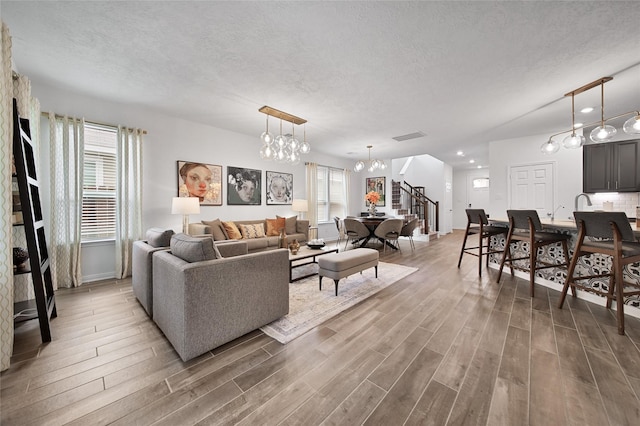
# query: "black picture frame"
{"type": "Point", "coordinates": [244, 186]}
{"type": "Point", "coordinates": [279, 188]}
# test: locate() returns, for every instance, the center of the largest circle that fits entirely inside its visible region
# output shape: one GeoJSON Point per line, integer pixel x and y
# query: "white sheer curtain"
{"type": "Point", "coordinates": [346, 190]}
{"type": "Point", "coordinates": [129, 197]}
{"type": "Point", "coordinates": [66, 163]}
{"type": "Point", "coordinates": [6, 266]}
{"type": "Point", "coordinates": [312, 193]}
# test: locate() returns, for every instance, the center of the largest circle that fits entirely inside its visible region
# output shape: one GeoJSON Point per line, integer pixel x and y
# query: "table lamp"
{"type": "Point", "coordinates": [299, 206]}
{"type": "Point", "coordinates": [185, 206]}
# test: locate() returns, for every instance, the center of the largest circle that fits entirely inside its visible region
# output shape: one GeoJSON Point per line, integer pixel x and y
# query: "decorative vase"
{"type": "Point", "coordinates": [294, 246]}
{"type": "Point", "coordinates": [372, 209]}
{"type": "Point", "coordinates": [282, 239]}
{"type": "Point", "coordinates": [20, 256]}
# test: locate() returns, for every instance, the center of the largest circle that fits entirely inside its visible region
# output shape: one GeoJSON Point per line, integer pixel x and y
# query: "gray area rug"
{"type": "Point", "coordinates": [309, 307]}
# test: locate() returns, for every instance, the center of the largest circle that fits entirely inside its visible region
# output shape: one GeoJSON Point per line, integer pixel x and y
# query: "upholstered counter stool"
{"type": "Point", "coordinates": [478, 224]}
{"type": "Point", "coordinates": [525, 226]}
{"type": "Point", "coordinates": [608, 234]}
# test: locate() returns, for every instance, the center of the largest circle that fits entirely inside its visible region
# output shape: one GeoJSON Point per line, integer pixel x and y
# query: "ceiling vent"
{"type": "Point", "coordinates": [415, 135]}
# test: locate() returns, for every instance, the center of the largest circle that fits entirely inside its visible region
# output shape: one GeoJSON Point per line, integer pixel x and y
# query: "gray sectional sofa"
{"type": "Point", "coordinates": [202, 300]}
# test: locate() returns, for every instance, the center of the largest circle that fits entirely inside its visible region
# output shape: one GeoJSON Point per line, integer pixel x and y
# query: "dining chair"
{"type": "Point", "coordinates": [525, 226]}
{"type": "Point", "coordinates": [339, 227]}
{"type": "Point", "coordinates": [478, 224]}
{"type": "Point", "coordinates": [408, 229]}
{"type": "Point", "coordinates": [608, 234]}
{"type": "Point", "coordinates": [354, 230]}
{"type": "Point", "coordinates": [389, 231]}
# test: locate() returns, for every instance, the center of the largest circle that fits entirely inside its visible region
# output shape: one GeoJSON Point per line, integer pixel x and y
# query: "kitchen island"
{"type": "Point", "coordinates": [587, 265]}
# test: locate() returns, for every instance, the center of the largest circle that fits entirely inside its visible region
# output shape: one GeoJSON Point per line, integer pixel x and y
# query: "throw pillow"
{"type": "Point", "coordinates": [274, 226]}
{"type": "Point", "coordinates": [290, 224]}
{"type": "Point", "coordinates": [158, 237]}
{"type": "Point", "coordinates": [232, 230]}
{"type": "Point", "coordinates": [217, 230]}
{"type": "Point", "coordinates": [255, 230]}
{"type": "Point", "coordinates": [192, 249]}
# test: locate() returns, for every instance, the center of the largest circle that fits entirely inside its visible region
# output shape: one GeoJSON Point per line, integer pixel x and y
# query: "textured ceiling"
{"type": "Point", "coordinates": [361, 73]}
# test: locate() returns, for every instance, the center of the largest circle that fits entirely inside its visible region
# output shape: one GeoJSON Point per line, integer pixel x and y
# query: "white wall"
{"type": "Point", "coordinates": [169, 140]}
{"type": "Point", "coordinates": [526, 150]}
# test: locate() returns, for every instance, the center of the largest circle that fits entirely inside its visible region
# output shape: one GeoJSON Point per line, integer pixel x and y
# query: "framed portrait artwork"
{"type": "Point", "coordinates": [200, 180]}
{"type": "Point", "coordinates": [244, 186]}
{"type": "Point", "coordinates": [279, 188]}
{"type": "Point", "coordinates": [377, 184]}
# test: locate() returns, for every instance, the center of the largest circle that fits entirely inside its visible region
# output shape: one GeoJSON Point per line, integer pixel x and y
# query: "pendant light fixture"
{"type": "Point", "coordinates": [282, 148]}
{"type": "Point", "coordinates": [602, 133]}
{"type": "Point", "coordinates": [573, 141]}
{"type": "Point", "coordinates": [371, 165]}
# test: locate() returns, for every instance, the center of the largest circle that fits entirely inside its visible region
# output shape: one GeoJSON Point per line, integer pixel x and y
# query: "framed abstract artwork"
{"type": "Point", "coordinates": [279, 188]}
{"type": "Point", "coordinates": [244, 186]}
{"type": "Point", "coordinates": [200, 180]}
{"type": "Point", "coordinates": [377, 184]}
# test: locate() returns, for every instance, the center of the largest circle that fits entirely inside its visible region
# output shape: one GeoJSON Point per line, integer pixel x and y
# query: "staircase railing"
{"type": "Point", "coordinates": [422, 206]}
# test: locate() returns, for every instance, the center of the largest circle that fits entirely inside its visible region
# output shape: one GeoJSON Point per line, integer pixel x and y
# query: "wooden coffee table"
{"type": "Point", "coordinates": [307, 253]}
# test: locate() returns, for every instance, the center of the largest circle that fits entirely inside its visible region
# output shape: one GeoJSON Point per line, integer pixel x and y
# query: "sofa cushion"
{"type": "Point", "coordinates": [158, 237]}
{"type": "Point", "coordinates": [232, 230]}
{"type": "Point", "coordinates": [274, 226]}
{"type": "Point", "coordinates": [191, 249]}
{"type": "Point", "coordinates": [289, 224]}
{"type": "Point", "coordinates": [252, 231]}
{"type": "Point", "coordinates": [217, 230]}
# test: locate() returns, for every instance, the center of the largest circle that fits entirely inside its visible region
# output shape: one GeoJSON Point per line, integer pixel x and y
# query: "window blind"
{"type": "Point", "coordinates": [99, 183]}
{"type": "Point", "coordinates": [331, 196]}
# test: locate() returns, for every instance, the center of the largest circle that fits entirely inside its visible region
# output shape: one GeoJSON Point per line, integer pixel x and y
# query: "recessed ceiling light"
{"type": "Point", "coordinates": [460, 153]}
{"type": "Point", "coordinates": [479, 167]}
{"type": "Point", "coordinates": [578, 125]}
{"type": "Point", "coordinates": [586, 110]}
{"type": "Point", "coordinates": [472, 161]}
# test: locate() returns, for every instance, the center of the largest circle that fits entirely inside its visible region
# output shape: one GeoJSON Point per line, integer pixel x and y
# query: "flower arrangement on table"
{"type": "Point", "coordinates": [372, 197]}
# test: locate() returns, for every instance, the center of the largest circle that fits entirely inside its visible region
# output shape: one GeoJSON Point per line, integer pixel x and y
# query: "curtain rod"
{"type": "Point", "coordinates": [46, 114]}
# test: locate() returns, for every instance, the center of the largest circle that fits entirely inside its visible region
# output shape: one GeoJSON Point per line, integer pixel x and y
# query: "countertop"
{"type": "Point", "coordinates": [562, 224]}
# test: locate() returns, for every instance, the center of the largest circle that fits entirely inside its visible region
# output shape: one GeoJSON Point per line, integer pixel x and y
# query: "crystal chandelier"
{"type": "Point", "coordinates": [602, 133]}
{"type": "Point", "coordinates": [371, 165]}
{"type": "Point", "coordinates": [284, 148]}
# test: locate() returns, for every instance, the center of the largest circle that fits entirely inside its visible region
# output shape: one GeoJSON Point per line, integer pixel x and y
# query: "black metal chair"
{"type": "Point", "coordinates": [478, 224]}
{"type": "Point", "coordinates": [609, 234]}
{"type": "Point", "coordinates": [525, 226]}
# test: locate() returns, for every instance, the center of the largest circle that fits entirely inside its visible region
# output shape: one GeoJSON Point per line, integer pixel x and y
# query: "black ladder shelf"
{"type": "Point", "coordinates": [24, 155]}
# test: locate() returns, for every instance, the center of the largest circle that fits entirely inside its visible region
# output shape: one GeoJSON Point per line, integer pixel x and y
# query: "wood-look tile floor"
{"type": "Point", "coordinates": [442, 346]}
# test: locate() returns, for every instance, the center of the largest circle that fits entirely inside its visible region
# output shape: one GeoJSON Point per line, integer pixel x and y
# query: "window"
{"type": "Point", "coordinates": [99, 183]}
{"type": "Point", "coordinates": [481, 183]}
{"type": "Point", "coordinates": [331, 193]}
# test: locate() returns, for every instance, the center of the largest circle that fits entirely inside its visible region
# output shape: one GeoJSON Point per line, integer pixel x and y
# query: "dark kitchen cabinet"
{"type": "Point", "coordinates": [611, 167]}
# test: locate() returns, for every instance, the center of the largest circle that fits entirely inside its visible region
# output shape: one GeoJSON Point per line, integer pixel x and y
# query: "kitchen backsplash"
{"type": "Point", "coordinates": [622, 201]}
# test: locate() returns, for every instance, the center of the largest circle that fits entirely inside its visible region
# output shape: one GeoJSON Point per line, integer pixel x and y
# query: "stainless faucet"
{"type": "Point", "coordinates": [580, 195]}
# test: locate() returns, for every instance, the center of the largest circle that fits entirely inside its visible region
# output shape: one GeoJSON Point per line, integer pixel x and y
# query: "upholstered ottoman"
{"type": "Point", "coordinates": [343, 264]}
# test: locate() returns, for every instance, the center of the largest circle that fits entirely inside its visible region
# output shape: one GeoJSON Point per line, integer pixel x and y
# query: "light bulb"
{"type": "Point", "coordinates": [632, 125]}
{"type": "Point", "coordinates": [603, 133]}
{"type": "Point", "coordinates": [305, 148]}
{"type": "Point", "coordinates": [280, 141]}
{"type": "Point", "coordinates": [267, 152]}
{"type": "Point", "coordinates": [359, 166]}
{"type": "Point", "coordinates": [294, 144]}
{"type": "Point", "coordinates": [383, 166]}
{"type": "Point", "coordinates": [550, 147]}
{"type": "Point", "coordinates": [294, 158]}
{"type": "Point", "coordinates": [573, 141]}
{"type": "Point", "coordinates": [375, 164]}
{"type": "Point", "coordinates": [266, 137]}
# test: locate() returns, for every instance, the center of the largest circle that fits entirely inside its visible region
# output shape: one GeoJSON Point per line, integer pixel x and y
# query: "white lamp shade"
{"type": "Point", "coordinates": [298, 205]}
{"type": "Point", "coordinates": [185, 205]}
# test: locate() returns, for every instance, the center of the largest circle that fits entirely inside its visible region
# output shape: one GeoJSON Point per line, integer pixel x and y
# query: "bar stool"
{"type": "Point", "coordinates": [478, 224]}
{"type": "Point", "coordinates": [614, 238]}
{"type": "Point", "coordinates": [525, 226]}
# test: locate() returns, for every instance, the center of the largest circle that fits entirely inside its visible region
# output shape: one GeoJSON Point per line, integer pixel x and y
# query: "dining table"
{"type": "Point", "coordinates": [372, 222]}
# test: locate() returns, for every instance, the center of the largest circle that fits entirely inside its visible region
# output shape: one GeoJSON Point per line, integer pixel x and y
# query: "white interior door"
{"type": "Point", "coordinates": [478, 191]}
{"type": "Point", "coordinates": [532, 187]}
